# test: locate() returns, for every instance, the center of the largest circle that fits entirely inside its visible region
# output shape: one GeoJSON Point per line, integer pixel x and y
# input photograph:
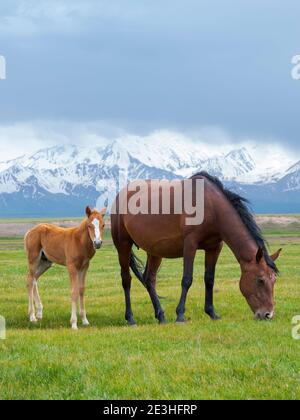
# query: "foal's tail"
{"type": "Point", "coordinates": [138, 268]}
{"type": "Point", "coordinates": [25, 242]}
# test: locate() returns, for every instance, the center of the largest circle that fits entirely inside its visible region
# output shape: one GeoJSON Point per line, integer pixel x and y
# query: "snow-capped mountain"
{"type": "Point", "coordinates": [62, 180]}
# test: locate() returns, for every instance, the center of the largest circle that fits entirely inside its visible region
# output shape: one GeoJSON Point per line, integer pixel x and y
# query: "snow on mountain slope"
{"type": "Point", "coordinates": [81, 172]}
{"type": "Point", "coordinates": [231, 166]}
{"type": "Point", "coordinates": [57, 166]}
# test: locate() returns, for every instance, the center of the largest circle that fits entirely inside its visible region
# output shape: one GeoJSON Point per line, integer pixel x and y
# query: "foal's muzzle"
{"type": "Point", "coordinates": [98, 244]}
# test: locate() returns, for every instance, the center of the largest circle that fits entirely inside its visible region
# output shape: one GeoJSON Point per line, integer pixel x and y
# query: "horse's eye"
{"type": "Point", "coordinates": [260, 282]}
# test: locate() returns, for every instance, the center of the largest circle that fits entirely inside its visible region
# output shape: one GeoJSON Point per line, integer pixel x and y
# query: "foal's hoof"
{"type": "Point", "coordinates": [132, 325]}
{"type": "Point", "coordinates": [74, 327]}
{"type": "Point", "coordinates": [39, 316]}
{"type": "Point", "coordinates": [85, 323]}
{"type": "Point", "coordinates": [33, 319]}
{"type": "Point", "coordinates": [162, 322]}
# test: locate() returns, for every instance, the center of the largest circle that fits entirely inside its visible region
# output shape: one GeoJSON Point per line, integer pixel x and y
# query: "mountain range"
{"type": "Point", "coordinates": [60, 181]}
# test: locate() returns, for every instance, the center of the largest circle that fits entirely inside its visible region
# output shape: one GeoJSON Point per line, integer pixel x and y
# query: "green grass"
{"type": "Point", "coordinates": [38, 219]}
{"type": "Point", "coordinates": [236, 358]}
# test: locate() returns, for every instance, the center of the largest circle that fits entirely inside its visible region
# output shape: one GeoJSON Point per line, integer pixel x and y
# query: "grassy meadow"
{"type": "Point", "coordinates": [236, 358]}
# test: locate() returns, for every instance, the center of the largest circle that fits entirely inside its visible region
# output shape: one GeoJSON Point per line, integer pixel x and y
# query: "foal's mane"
{"type": "Point", "coordinates": [241, 205]}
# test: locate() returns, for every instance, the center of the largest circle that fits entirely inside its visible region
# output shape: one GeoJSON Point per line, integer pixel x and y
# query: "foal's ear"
{"type": "Point", "coordinates": [88, 212]}
{"type": "Point", "coordinates": [259, 255]}
{"type": "Point", "coordinates": [103, 211]}
{"type": "Point", "coordinates": [276, 255]}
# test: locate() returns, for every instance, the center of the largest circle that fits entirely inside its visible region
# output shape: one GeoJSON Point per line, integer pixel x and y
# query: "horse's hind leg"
{"type": "Point", "coordinates": [30, 285]}
{"type": "Point", "coordinates": [33, 261]}
{"type": "Point", "coordinates": [43, 265]}
{"type": "Point", "coordinates": [37, 267]}
{"type": "Point", "coordinates": [124, 259]}
{"type": "Point", "coordinates": [153, 265]}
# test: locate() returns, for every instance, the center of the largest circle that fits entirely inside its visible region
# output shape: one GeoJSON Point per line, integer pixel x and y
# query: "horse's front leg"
{"type": "Point", "coordinates": [153, 265]}
{"type": "Point", "coordinates": [82, 283]}
{"type": "Point", "coordinates": [189, 254]}
{"type": "Point", "coordinates": [211, 258]}
{"type": "Point", "coordinates": [73, 272]}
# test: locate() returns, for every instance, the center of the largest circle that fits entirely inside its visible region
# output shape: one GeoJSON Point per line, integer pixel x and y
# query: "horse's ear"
{"type": "Point", "coordinates": [259, 255]}
{"type": "Point", "coordinates": [88, 212]}
{"type": "Point", "coordinates": [276, 255]}
{"type": "Point", "coordinates": [103, 211]}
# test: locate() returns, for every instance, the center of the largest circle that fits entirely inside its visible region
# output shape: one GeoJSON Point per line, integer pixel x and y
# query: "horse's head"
{"type": "Point", "coordinates": [257, 284]}
{"type": "Point", "coordinates": [96, 226]}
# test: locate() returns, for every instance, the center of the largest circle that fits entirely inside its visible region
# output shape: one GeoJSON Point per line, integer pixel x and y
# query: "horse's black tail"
{"type": "Point", "coordinates": [138, 268]}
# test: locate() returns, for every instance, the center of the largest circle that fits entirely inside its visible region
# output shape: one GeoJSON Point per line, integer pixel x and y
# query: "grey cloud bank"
{"type": "Point", "coordinates": [143, 65]}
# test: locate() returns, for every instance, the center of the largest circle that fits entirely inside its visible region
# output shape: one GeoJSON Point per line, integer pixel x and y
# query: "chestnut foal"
{"type": "Point", "coordinates": [74, 248]}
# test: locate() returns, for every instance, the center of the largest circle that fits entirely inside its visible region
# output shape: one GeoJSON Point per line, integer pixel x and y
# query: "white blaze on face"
{"type": "Point", "coordinates": [96, 224]}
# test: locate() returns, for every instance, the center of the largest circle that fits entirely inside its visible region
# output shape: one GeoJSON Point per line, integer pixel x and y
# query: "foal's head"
{"type": "Point", "coordinates": [257, 284]}
{"type": "Point", "coordinates": [96, 226]}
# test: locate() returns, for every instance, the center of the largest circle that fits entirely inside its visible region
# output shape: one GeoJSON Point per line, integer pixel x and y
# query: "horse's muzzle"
{"type": "Point", "coordinates": [264, 315]}
{"type": "Point", "coordinates": [98, 244]}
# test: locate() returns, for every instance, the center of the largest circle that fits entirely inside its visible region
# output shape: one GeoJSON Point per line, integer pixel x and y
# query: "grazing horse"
{"type": "Point", "coordinates": [74, 248]}
{"type": "Point", "coordinates": [227, 218]}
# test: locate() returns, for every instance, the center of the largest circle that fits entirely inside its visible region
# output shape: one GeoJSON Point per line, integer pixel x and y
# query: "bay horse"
{"type": "Point", "coordinates": [74, 248]}
{"type": "Point", "coordinates": [227, 218]}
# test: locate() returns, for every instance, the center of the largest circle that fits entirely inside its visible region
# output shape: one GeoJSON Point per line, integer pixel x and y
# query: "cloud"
{"type": "Point", "coordinates": [147, 64]}
{"type": "Point", "coordinates": [26, 138]}
{"type": "Point", "coordinates": [29, 17]}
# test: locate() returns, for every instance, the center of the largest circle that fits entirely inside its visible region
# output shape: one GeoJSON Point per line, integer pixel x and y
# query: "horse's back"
{"type": "Point", "coordinates": [39, 233]}
{"type": "Point", "coordinates": [164, 234]}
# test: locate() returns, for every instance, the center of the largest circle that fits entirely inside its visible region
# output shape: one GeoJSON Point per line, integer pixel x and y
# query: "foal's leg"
{"type": "Point", "coordinates": [43, 266]}
{"type": "Point", "coordinates": [124, 259]}
{"type": "Point", "coordinates": [211, 258]}
{"type": "Point", "coordinates": [30, 285]}
{"type": "Point", "coordinates": [33, 261]}
{"type": "Point", "coordinates": [82, 282]}
{"type": "Point", "coordinates": [73, 272]}
{"type": "Point", "coordinates": [189, 254]}
{"type": "Point", "coordinates": [153, 265]}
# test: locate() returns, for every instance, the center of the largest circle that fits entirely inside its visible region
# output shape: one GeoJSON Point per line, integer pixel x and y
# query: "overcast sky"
{"type": "Point", "coordinates": [134, 66]}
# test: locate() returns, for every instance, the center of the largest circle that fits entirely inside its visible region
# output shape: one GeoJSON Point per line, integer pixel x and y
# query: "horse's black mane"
{"type": "Point", "coordinates": [241, 205]}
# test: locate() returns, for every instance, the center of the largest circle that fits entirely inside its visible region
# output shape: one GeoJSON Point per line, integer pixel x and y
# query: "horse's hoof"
{"type": "Point", "coordinates": [163, 322]}
{"type": "Point", "coordinates": [33, 319]}
{"type": "Point", "coordinates": [74, 327]}
{"type": "Point", "coordinates": [180, 321]}
{"type": "Point", "coordinates": [132, 324]}
{"type": "Point", "coordinates": [213, 316]}
{"type": "Point", "coordinates": [39, 316]}
{"type": "Point", "coordinates": [85, 323]}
